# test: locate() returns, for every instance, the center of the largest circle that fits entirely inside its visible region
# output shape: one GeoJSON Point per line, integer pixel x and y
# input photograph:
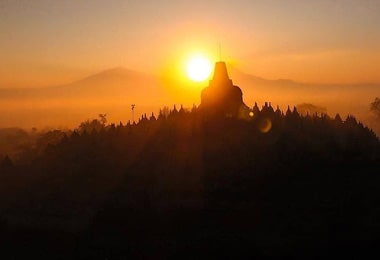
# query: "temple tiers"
{"type": "Point", "coordinates": [221, 97]}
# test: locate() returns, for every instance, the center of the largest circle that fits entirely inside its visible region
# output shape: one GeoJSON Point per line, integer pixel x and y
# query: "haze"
{"type": "Point", "coordinates": [55, 43]}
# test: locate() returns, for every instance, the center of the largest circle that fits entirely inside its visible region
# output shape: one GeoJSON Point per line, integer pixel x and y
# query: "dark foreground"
{"type": "Point", "coordinates": [187, 188]}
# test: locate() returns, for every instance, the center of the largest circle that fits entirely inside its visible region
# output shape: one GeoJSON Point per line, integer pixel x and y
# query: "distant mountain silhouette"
{"type": "Point", "coordinates": [111, 91]}
{"type": "Point", "coordinates": [109, 83]}
{"type": "Point", "coordinates": [123, 79]}
{"type": "Point", "coordinates": [120, 87]}
{"type": "Point", "coordinates": [126, 82]}
{"type": "Point", "coordinates": [115, 82]}
{"type": "Point", "coordinates": [261, 85]}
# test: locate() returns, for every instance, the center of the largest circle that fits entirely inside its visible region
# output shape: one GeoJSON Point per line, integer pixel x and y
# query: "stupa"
{"type": "Point", "coordinates": [222, 97]}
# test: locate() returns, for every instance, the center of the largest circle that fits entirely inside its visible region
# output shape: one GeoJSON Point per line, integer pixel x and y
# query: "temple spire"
{"type": "Point", "coordinates": [220, 77]}
{"type": "Point", "coordinates": [221, 97]}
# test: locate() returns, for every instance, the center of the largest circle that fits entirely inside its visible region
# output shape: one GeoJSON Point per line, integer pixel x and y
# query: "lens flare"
{"type": "Point", "coordinates": [265, 125]}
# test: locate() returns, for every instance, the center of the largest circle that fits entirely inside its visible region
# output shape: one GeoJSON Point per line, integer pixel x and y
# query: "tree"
{"type": "Point", "coordinates": [90, 126]}
{"type": "Point", "coordinates": [50, 137]}
{"type": "Point", "coordinates": [375, 107]}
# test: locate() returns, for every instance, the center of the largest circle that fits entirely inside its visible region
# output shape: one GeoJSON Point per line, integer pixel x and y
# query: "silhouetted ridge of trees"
{"type": "Point", "coordinates": [183, 185]}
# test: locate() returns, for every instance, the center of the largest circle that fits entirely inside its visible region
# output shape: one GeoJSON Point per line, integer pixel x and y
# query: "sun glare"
{"type": "Point", "coordinates": [198, 68]}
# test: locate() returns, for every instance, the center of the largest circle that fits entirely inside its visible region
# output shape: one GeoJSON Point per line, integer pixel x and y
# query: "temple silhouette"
{"type": "Point", "coordinates": [279, 185]}
{"type": "Point", "coordinates": [222, 97]}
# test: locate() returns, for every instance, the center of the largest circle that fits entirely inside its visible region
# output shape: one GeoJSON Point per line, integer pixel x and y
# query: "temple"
{"type": "Point", "coordinates": [221, 97]}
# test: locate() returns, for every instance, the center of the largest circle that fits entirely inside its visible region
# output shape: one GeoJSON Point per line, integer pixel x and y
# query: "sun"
{"type": "Point", "coordinates": [198, 68]}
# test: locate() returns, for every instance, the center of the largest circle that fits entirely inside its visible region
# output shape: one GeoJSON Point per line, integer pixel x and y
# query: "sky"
{"type": "Point", "coordinates": [47, 43]}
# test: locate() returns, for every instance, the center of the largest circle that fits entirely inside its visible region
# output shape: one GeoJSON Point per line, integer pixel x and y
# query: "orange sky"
{"type": "Point", "coordinates": [54, 42]}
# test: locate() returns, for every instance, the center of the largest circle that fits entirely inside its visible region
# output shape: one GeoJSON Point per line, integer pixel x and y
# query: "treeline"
{"type": "Point", "coordinates": [185, 185]}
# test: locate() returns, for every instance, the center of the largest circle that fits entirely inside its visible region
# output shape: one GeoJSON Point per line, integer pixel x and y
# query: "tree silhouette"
{"type": "Point", "coordinates": [91, 125]}
{"type": "Point", "coordinates": [187, 185]}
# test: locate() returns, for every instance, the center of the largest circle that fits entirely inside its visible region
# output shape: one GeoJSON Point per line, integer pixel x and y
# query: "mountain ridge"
{"type": "Point", "coordinates": [105, 82]}
{"type": "Point", "coordinates": [124, 73]}
{"type": "Point", "coordinates": [114, 90]}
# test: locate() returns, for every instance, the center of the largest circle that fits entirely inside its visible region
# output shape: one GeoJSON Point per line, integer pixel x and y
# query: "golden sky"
{"type": "Point", "coordinates": [46, 42]}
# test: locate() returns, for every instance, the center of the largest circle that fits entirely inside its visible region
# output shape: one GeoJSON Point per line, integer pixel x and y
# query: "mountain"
{"type": "Point", "coordinates": [286, 86]}
{"type": "Point", "coordinates": [337, 98]}
{"type": "Point", "coordinates": [121, 82]}
{"type": "Point", "coordinates": [113, 91]}
{"type": "Point", "coordinates": [116, 82]}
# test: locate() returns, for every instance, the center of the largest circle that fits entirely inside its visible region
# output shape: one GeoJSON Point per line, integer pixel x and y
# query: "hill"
{"type": "Point", "coordinates": [111, 91]}
{"type": "Point", "coordinates": [184, 186]}
{"type": "Point", "coordinates": [114, 82]}
{"type": "Point", "coordinates": [342, 98]}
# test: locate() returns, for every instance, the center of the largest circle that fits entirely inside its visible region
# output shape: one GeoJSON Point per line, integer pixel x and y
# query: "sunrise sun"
{"type": "Point", "coordinates": [198, 68]}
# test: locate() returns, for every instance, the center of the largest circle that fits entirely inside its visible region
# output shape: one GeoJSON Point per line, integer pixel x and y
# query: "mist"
{"type": "Point", "coordinates": [113, 91]}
